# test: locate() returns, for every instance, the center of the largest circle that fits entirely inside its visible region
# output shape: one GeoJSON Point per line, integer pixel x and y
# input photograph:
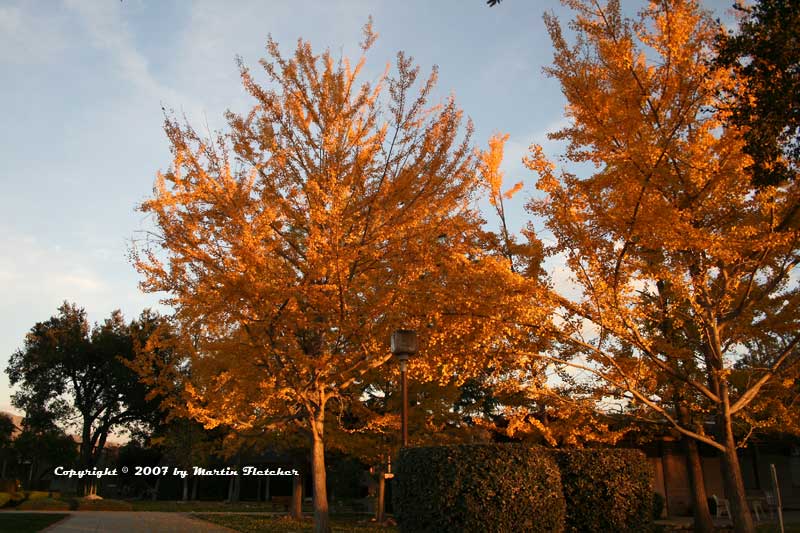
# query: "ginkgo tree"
{"type": "Point", "coordinates": [680, 262]}
{"type": "Point", "coordinates": [530, 401]}
{"type": "Point", "coordinates": [293, 245]}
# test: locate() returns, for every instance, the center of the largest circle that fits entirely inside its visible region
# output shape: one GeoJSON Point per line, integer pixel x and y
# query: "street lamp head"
{"type": "Point", "coordinates": [404, 343]}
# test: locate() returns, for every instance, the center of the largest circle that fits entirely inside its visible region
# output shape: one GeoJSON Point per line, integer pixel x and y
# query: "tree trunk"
{"type": "Point", "coordinates": [85, 454]}
{"type": "Point", "coordinates": [84, 485]}
{"type": "Point", "coordinates": [734, 486]}
{"type": "Point", "coordinates": [154, 497]}
{"type": "Point", "coordinates": [321, 522]}
{"type": "Point", "coordinates": [702, 515]}
{"type": "Point", "coordinates": [194, 488]}
{"type": "Point", "coordinates": [185, 490]}
{"type": "Point", "coordinates": [296, 504]}
{"type": "Point", "coordinates": [236, 485]}
{"type": "Point", "coordinates": [89, 486]}
{"type": "Point", "coordinates": [703, 522]}
{"type": "Point", "coordinates": [731, 471]}
{"type": "Point", "coordinates": [266, 488]}
{"type": "Point", "coordinates": [379, 514]}
{"type": "Point", "coordinates": [237, 488]}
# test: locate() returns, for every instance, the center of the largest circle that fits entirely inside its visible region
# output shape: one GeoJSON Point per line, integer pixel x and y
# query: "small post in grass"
{"type": "Point", "coordinates": [777, 490]}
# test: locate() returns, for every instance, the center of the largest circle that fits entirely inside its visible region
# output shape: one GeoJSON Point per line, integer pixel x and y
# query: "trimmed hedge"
{"type": "Point", "coordinates": [606, 490]}
{"type": "Point", "coordinates": [478, 488]}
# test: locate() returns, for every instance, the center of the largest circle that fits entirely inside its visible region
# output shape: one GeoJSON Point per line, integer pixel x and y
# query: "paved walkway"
{"type": "Point", "coordinates": [133, 522]}
{"type": "Point", "coordinates": [685, 523]}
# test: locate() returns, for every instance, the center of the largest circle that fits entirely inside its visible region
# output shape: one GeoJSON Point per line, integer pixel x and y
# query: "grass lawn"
{"type": "Point", "coordinates": [27, 523]}
{"type": "Point", "coordinates": [209, 507]}
{"type": "Point", "coordinates": [74, 504]}
{"type": "Point", "coordinates": [282, 524]}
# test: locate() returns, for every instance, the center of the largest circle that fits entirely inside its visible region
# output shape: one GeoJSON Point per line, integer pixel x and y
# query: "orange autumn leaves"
{"type": "Point", "coordinates": [330, 214]}
{"type": "Point", "coordinates": [335, 211]}
{"type": "Point", "coordinates": [490, 168]}
{"type": "Point", "coordinates": [686, 269]}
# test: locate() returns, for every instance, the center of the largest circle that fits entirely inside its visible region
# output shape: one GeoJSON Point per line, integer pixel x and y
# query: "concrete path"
{"type": "Point", "coordinates": [133, 522]}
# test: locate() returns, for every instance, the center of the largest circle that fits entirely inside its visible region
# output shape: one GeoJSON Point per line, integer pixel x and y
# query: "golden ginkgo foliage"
{"type": "Point", "coordinates": [689, 298]}
{"type": "Point", "coordinates": [332, 213]}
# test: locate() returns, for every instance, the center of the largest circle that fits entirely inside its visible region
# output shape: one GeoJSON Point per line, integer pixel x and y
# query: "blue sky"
{"type": "Point", "coordinates": [84, 83]}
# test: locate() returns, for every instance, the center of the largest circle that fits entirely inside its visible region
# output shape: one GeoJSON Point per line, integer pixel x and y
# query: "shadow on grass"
{"type": "Point", "coordinates": [282, 524]}
{"type": "Point", "coordinates": [198, 506]}
{"type": "Point", "coordinates": [28, 522]}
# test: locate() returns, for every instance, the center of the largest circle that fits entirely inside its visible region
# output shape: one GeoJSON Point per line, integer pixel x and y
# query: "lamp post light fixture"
{"type": "Point", "coordinates": [404, 345]}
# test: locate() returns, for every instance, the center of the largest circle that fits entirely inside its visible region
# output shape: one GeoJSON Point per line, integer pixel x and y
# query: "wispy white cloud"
{"type": "Point", "coordinates": [31, 270]}
{"type": "Point", "coordinates": [109, 32]}
{"type": "Point", "coordinates": [36, 277]}
{"type": "Point", "coordinates": [28, 38]}
{"type": "Point", "coordinates": [213, 35]}
{"type": "Point", "coordinates": [10, 19]}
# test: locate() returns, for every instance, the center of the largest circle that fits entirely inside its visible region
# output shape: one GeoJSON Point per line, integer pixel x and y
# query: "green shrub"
{"type": "Point", "coordinates": [606, 490]}
{"type": "Point", "coordinates": [5, 497]}
{"type": "Point", "coordinates": [478, 488]}
{"type": "Point", "coordinates": [44, 504]}
{"type": "Point", "coordinates": [36, 495]}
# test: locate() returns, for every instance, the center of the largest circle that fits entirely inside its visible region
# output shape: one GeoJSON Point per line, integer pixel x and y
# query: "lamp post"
{"type": "Point", "coordinates": [404, 345]}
